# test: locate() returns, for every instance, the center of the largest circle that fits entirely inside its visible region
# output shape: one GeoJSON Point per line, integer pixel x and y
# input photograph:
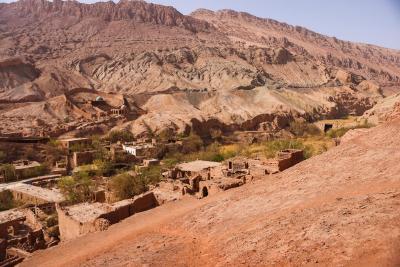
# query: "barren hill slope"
{"type": "Point", "coordinates": [340, 208]}
{"type": "Point", "coordinates": [362, 58]}
{"type": "Point", "coordinates": [206, 61]}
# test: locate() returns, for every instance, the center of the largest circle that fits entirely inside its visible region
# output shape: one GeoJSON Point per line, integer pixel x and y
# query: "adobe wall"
{"type": "Point", "coordinates": [99, 196]}
{"type": "Point", "coordinates": [144, 202]}
{"type": "Point", "coordinates": [69, 143]}
{"type": "Point", "coordinates": [31, 219]}
{"type": "Point", "coordinates": [3, 249]}
{"type": "Point", "coordinates": [27, 199]}
{"type": "Point", "coordinates": [82, 158]}
{"type": "Point", "coordinates": [212, 188]}
{"type": "Point", "coordinates": [4, 226]}
{"type": "Point", "coordinates": [68, 227]}
{"type": "Point", "coordinates": [3, 230]}
{"type": "Point", "coordinates": [215, 172]}
{"type": "Point", "coordinates": [292, 159]}
{"type": "Point", "coordinates": [117, 215]}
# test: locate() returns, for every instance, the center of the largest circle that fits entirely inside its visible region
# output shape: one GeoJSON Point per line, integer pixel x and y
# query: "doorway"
{"type": "Point", "coordinates": [204, 192]}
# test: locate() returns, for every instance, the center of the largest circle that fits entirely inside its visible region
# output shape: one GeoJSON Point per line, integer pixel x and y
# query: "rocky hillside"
{"type": "Point", "coordinates": [223, 66]}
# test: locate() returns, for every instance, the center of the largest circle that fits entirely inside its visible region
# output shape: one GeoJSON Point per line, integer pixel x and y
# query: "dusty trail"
{"type": "Point", "coordinates": [130, 229]}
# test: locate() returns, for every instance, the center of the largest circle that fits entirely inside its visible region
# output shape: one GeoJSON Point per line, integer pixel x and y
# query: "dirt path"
{"type": "Point", "coordinates": [74, 253]}
{"type": "Point", "coordinates": [150, 232]}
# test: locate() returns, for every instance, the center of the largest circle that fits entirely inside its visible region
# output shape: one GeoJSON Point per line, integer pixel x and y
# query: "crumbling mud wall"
{"type": "Point", "coordinates": [145, 202]}
{"type": "Point", "coordinates": [71, 228]}
{"type": "Point", "coordinates": [288, 158]}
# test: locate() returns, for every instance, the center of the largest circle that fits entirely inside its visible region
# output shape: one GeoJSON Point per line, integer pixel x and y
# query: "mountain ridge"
{"type": "Point", "coordinates": [204, 61]}
{"type": "Point", "coordinates": [288, 25]}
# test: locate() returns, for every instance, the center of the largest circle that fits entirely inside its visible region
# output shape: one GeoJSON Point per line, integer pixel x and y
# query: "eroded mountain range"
{"type": "Point", "coordinates": [226, 69]}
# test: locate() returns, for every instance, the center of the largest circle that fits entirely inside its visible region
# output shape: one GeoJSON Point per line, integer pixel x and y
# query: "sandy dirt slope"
{"type": "Point", "coordinates": [340, 208]}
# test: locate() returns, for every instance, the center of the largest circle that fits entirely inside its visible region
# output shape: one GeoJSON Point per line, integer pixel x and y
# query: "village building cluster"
{"type": "Point", "coordinates": [202, 178]}
{"type": "Point", "coordinates": [47, 218]}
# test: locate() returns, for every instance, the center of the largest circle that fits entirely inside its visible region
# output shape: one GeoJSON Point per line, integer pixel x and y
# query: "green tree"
{"type": "Point", "coordinates": [2, 156]}
{"type": "Point", "coordinates": [299, 128]}
{"type": "Point", "coordinates": [339, 132]}
{"type": "Point", "coordinates": [126, 186]}
{"type": "Point", "coordinates": [151, 175]}
{"type": "Point", "coordinates": [124, 136]}
{"type": "Point", "coordinates": [77, 188]}
{"type": "Point", "coordinates": [192, 143]}
{"type": "Point", "coordinates": [104, 167]}
{"type": "Point", "coordinates": [166, 134]}
{"type": "Point", "coordinates": [6, 200]}
{"type": "Point", "coordinates": [272, 147]}
{"type": "Point", "coordinates": [101, 152]}
{"type": "Point", "coordinates": [8, 170]}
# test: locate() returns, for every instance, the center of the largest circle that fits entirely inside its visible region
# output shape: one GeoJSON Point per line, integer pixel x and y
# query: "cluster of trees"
{"type": "Point", "coordinates": [126, 186]}
{"type": "Point", "coordinates": [7, 201]}
{"type": "Point", "coordinates": [8, 171]}
{"type": "Point", "coordinates": [123, 136]}
{"type": "Point", "coordinates": [301, 129]}
{"type": "Point", "coordinates": [78, 187]}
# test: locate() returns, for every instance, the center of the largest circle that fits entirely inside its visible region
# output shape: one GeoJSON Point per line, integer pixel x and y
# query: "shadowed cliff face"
{"type": "Point", "coordinates": [226, 66]}
{"type": "Point", "coordinates": [137, 11]}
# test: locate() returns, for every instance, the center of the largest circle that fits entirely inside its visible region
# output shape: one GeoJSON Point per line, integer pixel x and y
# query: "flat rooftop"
{"type": "Point", "coordinates": [139, 146]}
{"type": "Point", "coordinates": [25, 165]}
{"type": "Point", "coordinates": [122, 203]}
{"type": "Point", "coordinates": [11, 215]}
{"type": "Point", "coordinates": [197, 165]}
{"type": "Point", "coordinates": [38, 192]}
{"type": "Point", "coordinates": [73, 139]}
{"type": "Point", "coordinates": [87, 212]}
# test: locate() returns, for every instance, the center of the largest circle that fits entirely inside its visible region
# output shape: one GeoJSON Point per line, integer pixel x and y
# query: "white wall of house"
{"type": "Point", "coordinates": [129, 149]}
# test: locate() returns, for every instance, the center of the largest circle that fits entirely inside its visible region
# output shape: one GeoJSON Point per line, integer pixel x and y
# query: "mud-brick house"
{"type": "Point", "coordinates": [84, 218]}
{"type": "Point", "coordinates": [71, 142]}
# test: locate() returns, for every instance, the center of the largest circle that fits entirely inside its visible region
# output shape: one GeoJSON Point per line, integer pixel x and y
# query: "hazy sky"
{"type": "Point", "coordinates": [368, 21]}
